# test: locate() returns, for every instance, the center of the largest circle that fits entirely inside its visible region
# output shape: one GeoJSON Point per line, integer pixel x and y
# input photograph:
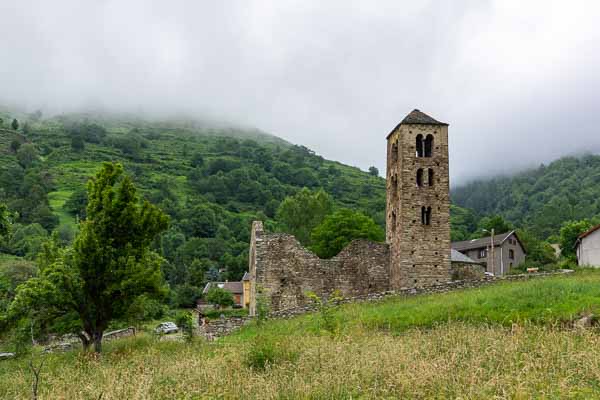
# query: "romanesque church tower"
{"type": "Point", "coordinates": [418, 202]}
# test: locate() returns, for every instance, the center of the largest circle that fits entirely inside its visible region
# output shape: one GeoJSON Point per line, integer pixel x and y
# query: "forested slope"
{"type": "Point", "coordinates": [540, 199]}
{"type": "Point", "coordinates": [212, 181]}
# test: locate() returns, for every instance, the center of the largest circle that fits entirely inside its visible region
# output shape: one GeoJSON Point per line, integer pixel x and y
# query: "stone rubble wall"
{"type": "Point", "coordinates": [224, 326]}
{"type": "Point", "coordinates": [286, 271]}
{"type": "Point", "coordinates": [466, 271]}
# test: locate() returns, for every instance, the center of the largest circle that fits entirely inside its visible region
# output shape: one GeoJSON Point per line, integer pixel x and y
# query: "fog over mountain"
{"type": "Point", "coordinates": [517, 81]}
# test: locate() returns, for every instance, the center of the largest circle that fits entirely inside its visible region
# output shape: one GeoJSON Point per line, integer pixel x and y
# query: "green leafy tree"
{"type": "Point", "coordinates": [27, 155]}
{"type": "Point", "coordinates": [197, 160]}
{"type": "Point", "coordinates": [462, 222]}
{"type": "Point", "coordinates": [219, 297]}
{"type": "Point", "coordinates": [185, 322]}
{"type": "Point", "coordinates": [340, 228]}
{"type": "Point", "coordinates": [569, 233]}
{"type": "Point", "coordinates": [27, 240]}
{"type": "Point", "coordinates": [5, 222]}
{"type": "Point", "coordinates": [110, 264]}
{"type": "Point", "coordinates": [495, 222]}
{"type": "Point", "coordinates": [76, 204]}
{"type": "Point", "coordinates": [15, 144]}
{"type": "Point", "coordinates": [15, 124]}
{"type": "Point", "coordinates": [301, 213]}
{"type": "Point", "coordinates": [77, 143]}
{"type": "Point", "coordinates": [373, 171]}
{"type": "Point", "coordinates": [539, 253]}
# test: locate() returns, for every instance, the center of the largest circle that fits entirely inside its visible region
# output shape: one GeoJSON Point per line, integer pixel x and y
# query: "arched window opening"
{"type": "Point", "coordinates": [393, 221]}
{"type": "Point", "coordinates": [426, 215]}
{"type": "Point", "coordinates": [428, 145]}
{"type": "Point", "coordinates": [419, 145]}
{"type": "Point", "coordinates": [394, 152]}
{"type": "Point", "coordinates": [430, 177]}
{"type": "Point", "coordinates": [420, 177]}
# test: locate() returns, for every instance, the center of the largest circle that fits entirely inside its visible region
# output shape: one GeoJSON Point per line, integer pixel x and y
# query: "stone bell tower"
{"type": "Point", "coordinates": [418, 202]}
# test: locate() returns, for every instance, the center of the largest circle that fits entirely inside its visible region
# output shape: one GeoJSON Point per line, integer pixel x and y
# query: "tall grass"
{"type": "Point", "coordinates": [457, 345]}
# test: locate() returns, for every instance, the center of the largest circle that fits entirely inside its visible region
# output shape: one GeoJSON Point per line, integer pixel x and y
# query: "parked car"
{"type": "Point", "coordinates": [166, 328]}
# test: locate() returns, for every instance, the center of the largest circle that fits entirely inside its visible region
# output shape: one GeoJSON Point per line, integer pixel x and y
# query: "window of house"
{"type": "Point", "coordinates": [511, 254]}
{"type": "Point", "coordinates": [482, 253]}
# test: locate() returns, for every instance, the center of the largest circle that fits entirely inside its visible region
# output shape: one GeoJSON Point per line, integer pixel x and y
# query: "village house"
{"type": "Point", "coordinates": [587, 247]}
{"type": "Point", "coordinates": [235, 288]}
{"type": "Point", "coordinates": [508, 252]}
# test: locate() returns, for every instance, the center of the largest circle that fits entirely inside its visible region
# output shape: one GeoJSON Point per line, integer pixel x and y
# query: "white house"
{"type": "Point", "coordinates": [588, 247]}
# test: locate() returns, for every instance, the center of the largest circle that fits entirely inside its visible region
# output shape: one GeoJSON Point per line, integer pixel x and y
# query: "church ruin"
{"type": "Point", "coordinates": [417, 252]}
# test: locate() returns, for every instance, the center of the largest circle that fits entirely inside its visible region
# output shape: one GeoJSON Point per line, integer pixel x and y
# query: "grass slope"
{"type": "Point", "coordinates": [506, 341]}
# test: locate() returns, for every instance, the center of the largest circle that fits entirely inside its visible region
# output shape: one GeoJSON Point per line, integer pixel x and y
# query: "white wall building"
{"type": "Point", "coordinates": [588, 247]}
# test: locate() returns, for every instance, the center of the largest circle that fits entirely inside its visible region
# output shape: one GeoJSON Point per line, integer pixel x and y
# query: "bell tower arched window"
{"type": "Point", "coordinates": [420, 177]}
{"type": "Point", "coordinates": [419, 146]}
{"type": "Point", "coordinates": [426, 215]}
{"type": "Point", "coordinates": [430, 177]}
{"type": "Point", "coordinates": [428, 146]}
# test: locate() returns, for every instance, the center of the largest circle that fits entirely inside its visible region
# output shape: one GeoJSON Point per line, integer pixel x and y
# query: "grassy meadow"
{"type": "Point", "coordinates": [511, 340]}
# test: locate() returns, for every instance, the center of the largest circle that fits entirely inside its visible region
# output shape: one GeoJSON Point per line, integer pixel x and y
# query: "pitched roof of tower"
{"type": "Point", "coordinates": [417, 117]}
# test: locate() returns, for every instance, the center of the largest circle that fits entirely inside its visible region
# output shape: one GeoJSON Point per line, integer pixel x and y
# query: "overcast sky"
{"type": "Point", "coordinates": [518, 81]}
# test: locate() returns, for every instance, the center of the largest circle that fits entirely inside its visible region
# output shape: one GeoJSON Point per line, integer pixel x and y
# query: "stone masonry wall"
{"type": "Point", "coordinates": [420, 253]}
{"type": "Point", "coordinates": [222, 327]}
{"type": "Point", "coordinates": [467, 271]}
{"type": "Point", "coordinates": [286, 271]}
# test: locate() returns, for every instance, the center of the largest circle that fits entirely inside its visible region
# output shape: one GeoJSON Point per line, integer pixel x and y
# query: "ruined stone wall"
{"type": "Point", "coordinates": [467, 271]}
{"type": "Point", "coordinates": [419, 253]}
{"type": "Point", "coordinates": [286, 271]}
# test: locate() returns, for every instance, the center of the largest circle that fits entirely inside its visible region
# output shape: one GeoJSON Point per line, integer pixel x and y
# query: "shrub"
{"type": "Point", "coordinates": [185, 295]}
{"type": "Point", "coordinates": [185, 321]}
{"type": "Point", "coordinates": [326, 307]}
{"type": "Point", "coordinates": [263, 306]}
{"type": "Point", "coordinates": [219, 297]}
{"type": "Point", "coordinates": [145, 308]}
{"type": "Point", "coordinates": [264, 352]}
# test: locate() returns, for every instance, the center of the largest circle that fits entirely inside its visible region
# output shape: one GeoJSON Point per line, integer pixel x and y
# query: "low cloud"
{"type": "Point", "coordinates": [517, 81]}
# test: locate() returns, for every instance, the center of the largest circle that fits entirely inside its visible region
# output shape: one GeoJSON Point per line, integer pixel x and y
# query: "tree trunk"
{"type": "Point", "coordinates": [85, 340]}
{"type": "Point", "coordinates": [98, 342]}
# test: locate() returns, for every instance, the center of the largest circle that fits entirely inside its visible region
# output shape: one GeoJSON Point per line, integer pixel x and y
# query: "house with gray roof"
{"type": "Point", "coordinates": [508, 251]}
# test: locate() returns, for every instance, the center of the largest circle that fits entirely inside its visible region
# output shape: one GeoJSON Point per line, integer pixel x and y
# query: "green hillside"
{"type": "Point", "coordinates": [511, 340]}
{"type": "Point", "coordinates": [212, 180]}
{"type": "Point", "coordinates": [540, 199]}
